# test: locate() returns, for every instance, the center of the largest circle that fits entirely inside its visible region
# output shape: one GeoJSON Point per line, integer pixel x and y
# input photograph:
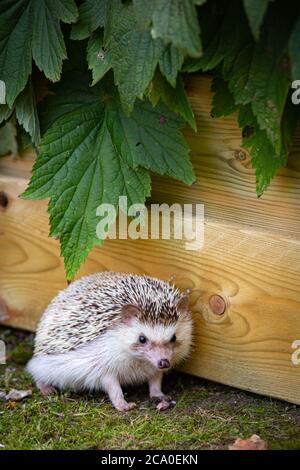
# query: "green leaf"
{"type": "Point", "coordinates": [26, 113]}
{"type": "Point", "coordinates": [175, 98]}
{"type": "Point", "coordinates": [48, 47]}
{"type": "Point", "coordinates": [143, 11]}
{"type": "Point", "coordinates": [265, 160]}
{"type": "Point", "coordinates": [170, 63]}
{"type": "Point", "coordinates": [31, 28]}
{"type": "Point", "coordinates": [150, 138]}
{"type": "Point", "coordinates": [225, 33]}
{"type": "Point", "coordinates": [256, 10]}
{"type": "Point", "coordinates": [95, 153]}
{"type": "Point", "coordinates": [176, 22]}
{"type": "Point", "coordinates": [77, 185]}
{"type": "Point", "coordinates": [294, 48]}
{"type": "Point", "coordinates": [99, 58]}
{"type": "Point", "coordinates": [260, 75]}
{"type": "Point", "coordinates": [5, 112]}
{"type": "Point", "coordinates": [134, 54]}
{"type": "Point", "coordinates": [8, 142]}
{"type": "Point", "coordinates": [15, 46]}
{"type": "Point", "coordinates": [92, 15]}
{"type": "Point", "coordinates": [257, 72]}
{"type": "Point", "coordinates": [69, 94]}
{"type": "Point", "coordinates": [223, 100]}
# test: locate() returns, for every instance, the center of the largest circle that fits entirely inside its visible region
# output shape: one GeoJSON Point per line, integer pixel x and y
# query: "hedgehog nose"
{"type": "Point", "coordinates": [163, 364]}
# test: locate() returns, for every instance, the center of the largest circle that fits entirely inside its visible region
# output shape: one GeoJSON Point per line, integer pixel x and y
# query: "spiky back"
{"type": "Point", "coordinates": [88, 307]}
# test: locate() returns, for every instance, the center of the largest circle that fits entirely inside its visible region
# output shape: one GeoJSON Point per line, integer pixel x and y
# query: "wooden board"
{"type": "Point", "coordinates": [251, 258]}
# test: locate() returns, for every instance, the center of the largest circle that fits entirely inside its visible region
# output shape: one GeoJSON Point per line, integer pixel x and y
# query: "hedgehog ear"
{"type": "Point", "coordinates": [183, 305]}
{"type": "Point", "coordinates": [129, 313]}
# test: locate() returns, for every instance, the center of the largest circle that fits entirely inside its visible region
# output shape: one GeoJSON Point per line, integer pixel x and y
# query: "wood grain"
{"type": "Point", "coordinates": [257, 274]}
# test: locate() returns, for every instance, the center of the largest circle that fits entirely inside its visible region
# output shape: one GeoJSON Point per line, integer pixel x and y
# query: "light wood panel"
{"type": "Point", "coordinates": [256, 273]}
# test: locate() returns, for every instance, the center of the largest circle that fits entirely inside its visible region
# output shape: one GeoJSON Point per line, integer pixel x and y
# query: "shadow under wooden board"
{"type": "Point", "coordinates": [251, 259]}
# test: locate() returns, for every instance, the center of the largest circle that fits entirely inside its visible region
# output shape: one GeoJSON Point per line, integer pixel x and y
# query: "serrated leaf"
{"type": "Point", "coordinates": [227, 34]}
{"type": "Point", "coordinates": [134, 54]}
{"type": "Point", "coordinates": [48, 47]}
{"type": "Point", "coordinates": [256, 10]}
{"type": "Point", "coordinates": [92, 15]}
{"type": "Point", "coordinates": [26, 113]}
{"type": "Point", "coordinates": [31, 28]}
{"type": "Point", "coordinates": [257, 73]}
{"type": "Point", "coordinates": [260, 75]}
{"type": "Point", "coordinates": [265, 160]}
{"type": "Point", "coordinates": [170, 63]}
{"type": "Point", "coordinates": [15, 47]}
{"type": "Point", "coordinates": [143, 10]}
{"type": "Point", "coordinates": [223, 100]}
{"type": "Point", "coordinates": [294, 48]}
{"type": "Point", "coordinates": [69, 94]}
{"type": "Point", "coordinates": [5, 112]}
{"type": "Point", "coordinates": [91, 155]}
{"type": "Point", "coordinates": [176, 22]}
{"type": "Point", "coordinates": [8, 142]}
{"type": "Point", "coordinates": [76, 185]}
{"type": "Point", "coordinates": [175, 98]}
{"type": "Point", "coordinates": [150, 138]}
{"type": "Point", "coordinates": [99, 58]}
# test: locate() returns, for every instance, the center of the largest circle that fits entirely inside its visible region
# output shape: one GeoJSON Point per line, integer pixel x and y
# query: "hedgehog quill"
{"type": "Point", "coordinates": [109, 330]}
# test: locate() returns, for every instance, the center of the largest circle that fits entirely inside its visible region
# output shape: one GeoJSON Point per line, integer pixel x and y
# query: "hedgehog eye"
{"type": "Point", "coordinates": [142, 339]}
{"type": "Point", "coordinates": [173, 339]}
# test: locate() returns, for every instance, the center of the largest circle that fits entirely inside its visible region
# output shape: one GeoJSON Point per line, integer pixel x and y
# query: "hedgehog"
{"type": "Point", "coordinates": [109, 330]}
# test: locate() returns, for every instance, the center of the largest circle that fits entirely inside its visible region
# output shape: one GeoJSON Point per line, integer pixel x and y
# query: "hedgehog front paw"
{"type": "Point", "coordinates": [125, 406]}
{"type": "Point", "coordinates": [165, 404]}
{"type": "Point", "coordinates": [161, 397]}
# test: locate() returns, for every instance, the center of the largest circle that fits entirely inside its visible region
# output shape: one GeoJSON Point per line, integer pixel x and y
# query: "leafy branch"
{"type": "Point", "coordinates": [119, 103]}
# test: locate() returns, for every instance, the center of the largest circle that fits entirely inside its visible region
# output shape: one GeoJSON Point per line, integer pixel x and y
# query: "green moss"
{"type": "Point", "coordinates": [207, 416]}
{"type": "Point", "coordinates": [21, 353]}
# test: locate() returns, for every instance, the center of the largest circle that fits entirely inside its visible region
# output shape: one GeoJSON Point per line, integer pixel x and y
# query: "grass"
{"type": "Point", "coordinates": [207, 415]}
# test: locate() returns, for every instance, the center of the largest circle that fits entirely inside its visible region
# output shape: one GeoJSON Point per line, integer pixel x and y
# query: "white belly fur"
{"type": "Point", "coordinates": [83, 368]}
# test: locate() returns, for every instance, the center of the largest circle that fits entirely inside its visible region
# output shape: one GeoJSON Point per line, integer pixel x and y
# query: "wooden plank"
{"type": "Point", "coordinates": [256, 272]}
{"type": "Point", "coordinates": [225, 180]}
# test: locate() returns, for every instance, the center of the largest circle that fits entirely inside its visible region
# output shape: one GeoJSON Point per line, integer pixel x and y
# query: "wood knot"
{"type": "Point", "coordinates": [217, 304]}
{"type": "Point", "coordinates": [3, 200]}
{"type": "Point", "coordinates": [242, 156]}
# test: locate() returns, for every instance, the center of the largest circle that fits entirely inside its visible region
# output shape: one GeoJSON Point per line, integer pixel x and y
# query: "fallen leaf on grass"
{"type": "Point", "coordinates": [253, 443]}
{"type": "Point", "coordinates": [12, 404]}
{"type": "Point", "coordinates": [18, 395]}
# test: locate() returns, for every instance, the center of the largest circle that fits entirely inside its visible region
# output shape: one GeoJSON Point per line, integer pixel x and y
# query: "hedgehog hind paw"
{"type": "Point", "coordinates": [46, 389]}
{"type": "Point", "coordinates": [124, 406]}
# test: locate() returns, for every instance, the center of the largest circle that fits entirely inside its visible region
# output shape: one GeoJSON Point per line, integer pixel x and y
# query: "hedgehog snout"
{"type": "Point", "coordinates": [164, 364]}
{"type": "Point", "coordinates": [160, 356]}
